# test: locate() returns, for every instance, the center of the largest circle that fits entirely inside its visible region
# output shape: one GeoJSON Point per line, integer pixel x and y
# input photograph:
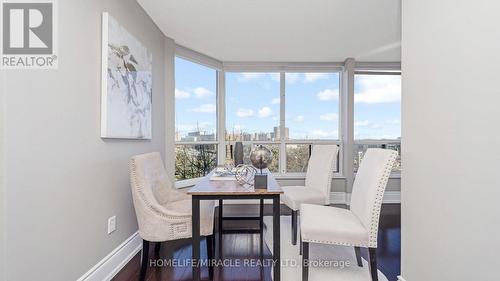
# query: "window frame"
{"type": "Point", "coordinates": [345, 141]}
{"type": "Point", "coordinates": [200, 59]}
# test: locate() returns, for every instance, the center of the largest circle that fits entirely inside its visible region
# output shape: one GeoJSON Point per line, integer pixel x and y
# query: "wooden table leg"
{"type": "Point", "coordinates": [276, 238]}
{"type": "Point", "coordinates": [196, 237]}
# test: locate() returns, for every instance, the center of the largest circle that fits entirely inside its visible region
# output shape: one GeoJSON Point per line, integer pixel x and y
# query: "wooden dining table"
{"type": "Point", "coordinates": [208, 189]}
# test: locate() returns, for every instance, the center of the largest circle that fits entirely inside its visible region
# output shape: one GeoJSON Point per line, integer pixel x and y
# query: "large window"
{"type": "Point", "coordinates": [377, 113]}
{"type": "Point", "coordinates": [195, 119]}
{"type": "Point", "coordinates": [254, 102]}
{"type": "Point", "coordinates": [288, 112]}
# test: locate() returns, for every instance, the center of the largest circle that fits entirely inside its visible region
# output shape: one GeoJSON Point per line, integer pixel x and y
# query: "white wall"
{"type": "Point", "coordinates": [450, 184]}
{"type": "Point", "coordinates": [62, 180]}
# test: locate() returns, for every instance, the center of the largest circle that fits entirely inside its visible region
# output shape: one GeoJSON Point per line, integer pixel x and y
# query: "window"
{"type": "Point", "coordinates": [288, 112]}
{"type": "Point", "coordinates": [311, 113]}
{"type": "Point", "coordinates": [195, 119]}
{"type": "Point", "coordinates": [377, 113]}
{"type": "Point", "coordinates": [312, 105]}
{"type": "Point", "coordinates": [252, 106]}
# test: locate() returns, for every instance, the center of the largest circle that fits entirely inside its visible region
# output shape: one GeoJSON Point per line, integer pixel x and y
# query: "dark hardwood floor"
{"type": "Point", "coordinates": [243, 246]}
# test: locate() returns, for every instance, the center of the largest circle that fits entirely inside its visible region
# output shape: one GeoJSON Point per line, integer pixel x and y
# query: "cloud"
{"type": "Point", "coordinates": [317, 133]}
{"type": "Point", "coordinates": [244, 112]}
{"type": "Point", "coordinates": [292, 77]}
{"type": "Point", "coordinates": [362, 123]}
{"type": "Point", "coordinates": [188, 127]}
{"type": "Point", "coordinates": [378, 89]}
{"type": "Point", "coordinates": [275, 101]}
{"type": "Point", "coordinates": [329, 117]}
{"type": "Point", "coordinates": [201, 92]}
{"type": "Point", "coordinates": [205, 108]}
{"type": "Point", "coordinates": [328, 94]}
{"type": "Point", "coordinates": [311, 77]}
{"type": "Point", "coordinates": [179, 94]}
{"type": "Point", "coordinates": [275, 76]}
{"type": "Point", "coordinates": [299, 119]}
{"type": "Point", "coordinates": [247, 76]}
{"type": "Point", "coordinates": [265, 112]}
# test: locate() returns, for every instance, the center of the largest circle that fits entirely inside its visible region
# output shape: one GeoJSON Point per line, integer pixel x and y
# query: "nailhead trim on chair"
{"type": "Point", "coordinates": [335, 243]}
{"type": "Point", "coordinates": [378, 200]}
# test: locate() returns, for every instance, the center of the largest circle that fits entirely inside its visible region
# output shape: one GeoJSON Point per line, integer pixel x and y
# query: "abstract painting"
{"type": "Point", "coordinates": [126, 94]}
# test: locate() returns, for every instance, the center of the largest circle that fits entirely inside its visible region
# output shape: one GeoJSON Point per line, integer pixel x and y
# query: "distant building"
{"type": "Point", "coordinates": [198, 136]}
{"type": "Point", "coordinates": [276, 133]}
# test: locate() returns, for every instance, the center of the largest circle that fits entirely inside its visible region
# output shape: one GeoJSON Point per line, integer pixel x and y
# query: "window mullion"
{"type": "Point", "coordinates": [282, 165]}
{"type": "Point", "coordinates": [221, 117]}
{"type": "Point", "coordinates": [347, 96]}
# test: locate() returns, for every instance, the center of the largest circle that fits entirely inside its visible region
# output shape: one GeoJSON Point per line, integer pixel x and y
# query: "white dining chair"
{"type": "Point", "coordinates": [317, 184]}
{"type": "Point", "coordinates": [163, 213]}
{"type": "Point", "coordinates": [357, 227]}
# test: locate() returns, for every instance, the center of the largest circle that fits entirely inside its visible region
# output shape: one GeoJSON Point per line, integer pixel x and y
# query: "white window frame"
{"type": "Point", "coordinates": [346, 142]}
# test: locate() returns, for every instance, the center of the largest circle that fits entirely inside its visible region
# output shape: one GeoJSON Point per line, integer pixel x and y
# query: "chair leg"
{"type": "Point", "coordinates": [294, 227]}
{"type": "Point", "coordinates": [210, 255]}
{"type": "Point", "coordinates": [305, 261]}
{"type": "Point", "coordinates": [157, 249]}
{"type": "Point", "coordinates": [357, 250]}
{"type": "Point", "coordinates": [301, 244]}
{"type": "Point", "coordinates": [144, 263]}
{"type": "Point", "coordinates": [219, 225]}
{"type": "Point", "coordinates": [373, 263]}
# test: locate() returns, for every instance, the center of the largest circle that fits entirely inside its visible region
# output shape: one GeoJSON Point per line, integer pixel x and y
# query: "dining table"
{"type": "Point", "coordinates": [212, 188]}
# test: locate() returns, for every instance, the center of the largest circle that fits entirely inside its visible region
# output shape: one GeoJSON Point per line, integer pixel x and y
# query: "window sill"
{"type": "Point", "coordinates": [191, 182]}
{"type": "Point", "coordinates": [187, 183]}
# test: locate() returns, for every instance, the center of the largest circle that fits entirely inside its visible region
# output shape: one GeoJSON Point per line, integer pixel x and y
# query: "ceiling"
{"type": "Point", "coordinates": [283, 30]}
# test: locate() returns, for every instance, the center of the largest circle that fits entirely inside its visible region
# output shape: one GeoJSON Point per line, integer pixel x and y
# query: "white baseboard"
{"type": "Point", "coordinates": [110, 265]}
{"type": "Point", "coordinates": [400, 278]}
{"type": "Point", "coordinates": [390, 197]}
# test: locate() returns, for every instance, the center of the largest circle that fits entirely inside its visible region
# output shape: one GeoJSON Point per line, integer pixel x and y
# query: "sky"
{"type": "Point", "coordinates": [311, 103]}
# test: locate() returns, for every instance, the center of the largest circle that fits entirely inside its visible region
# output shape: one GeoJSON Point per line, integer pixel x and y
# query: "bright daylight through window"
{"type": "Point", "coordinates": [253, 112]}
{"type": "Point", "coordinates": [312, 113]}
{"type": "Point", "coordinates": [377, 113]}
{"type": "Point", "coordinates": [195, 119]}
{"type": "Point", "coordinates": [254, 101]}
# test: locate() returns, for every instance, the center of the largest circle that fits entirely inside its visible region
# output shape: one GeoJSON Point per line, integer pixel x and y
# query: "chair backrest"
{"type": "Point", "coordinates": [320, 169]}
{"type": "Point", "coordinates": [369, 186]}
{"type": "Point", "coordinates": [149, 182]}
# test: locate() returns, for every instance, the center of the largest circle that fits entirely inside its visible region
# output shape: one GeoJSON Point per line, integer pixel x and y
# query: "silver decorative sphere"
{"type": "Point", "coordinates": [261, 157]}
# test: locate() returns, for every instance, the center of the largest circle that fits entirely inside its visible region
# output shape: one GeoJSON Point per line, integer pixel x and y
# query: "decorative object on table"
{"type": "Point", "coordinates": [226, 172]}
{"type": "Point", "coordinates": [238, 153]}
{"type": "Point", "coordinates": [126, 86]}
{"type": "Point", "coordinates": [261, 157]}
{"type": "Point", "coordinates": [245, 175]}
{"type": "Point", "coordinates": [229, 164]}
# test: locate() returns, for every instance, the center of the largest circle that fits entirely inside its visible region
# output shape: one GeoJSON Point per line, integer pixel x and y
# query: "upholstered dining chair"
{"type": "Point", "coordinates": [317, 185]}
{"type": "Point", "coordinates": [163, 213]}
{"type": "Point", "coordinates": [357, 227]}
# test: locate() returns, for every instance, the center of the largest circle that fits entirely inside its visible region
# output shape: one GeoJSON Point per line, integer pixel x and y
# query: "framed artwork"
{"type": "Point", "coordinates": [126, 93]}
